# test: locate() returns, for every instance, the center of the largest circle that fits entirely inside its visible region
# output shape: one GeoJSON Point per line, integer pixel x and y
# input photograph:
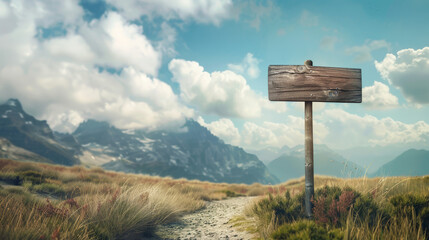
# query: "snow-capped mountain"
{"type": "Point", "coordinates": [192, 152]}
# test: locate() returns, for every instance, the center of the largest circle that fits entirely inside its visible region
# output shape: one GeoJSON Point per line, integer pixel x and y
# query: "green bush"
{"type": "Point", "coordinates": [232, 194]}
{"type": "Point", "coordinates": [412, 203]}
{"type": "Point", "coordinates": [49, 188]}
{"type": "Point", "coordinates": [285, 208]}
{"type": "Point", "coordinates": [409, 202]}
{"type": "Point", "coordinates": [31, 176]}
{"type": "Point", "coordinates": [366, 210]}
{"type": "Point", "coordinates": [305, 229]}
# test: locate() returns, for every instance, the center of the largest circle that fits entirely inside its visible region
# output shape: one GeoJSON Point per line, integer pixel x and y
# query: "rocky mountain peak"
{"type": "Point", "coordinates": [12, 114]}
{"type": "Point", "coordinates": [25, 131]}
{"type": "Point", "coordinates": [92, 125]}
{"type": "Point", "coordinates": [15, 103]}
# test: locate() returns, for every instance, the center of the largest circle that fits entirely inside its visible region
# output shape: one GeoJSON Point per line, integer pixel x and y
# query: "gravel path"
{"type": "Point", "coordinates": [212, 222]}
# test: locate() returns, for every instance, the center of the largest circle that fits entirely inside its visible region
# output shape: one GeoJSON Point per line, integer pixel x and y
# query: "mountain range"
{"type": "Point", "coordinates": [192, 152]}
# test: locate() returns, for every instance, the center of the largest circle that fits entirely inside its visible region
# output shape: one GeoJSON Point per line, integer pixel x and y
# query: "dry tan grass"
{"type": "Point", "coordinates": [108, 205]}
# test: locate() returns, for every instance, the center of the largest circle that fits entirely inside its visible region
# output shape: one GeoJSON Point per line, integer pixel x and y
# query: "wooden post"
{"type": "Point", "coordinates": [309, 162]}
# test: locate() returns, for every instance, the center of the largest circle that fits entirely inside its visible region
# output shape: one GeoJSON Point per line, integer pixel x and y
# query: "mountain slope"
{"type": "Point", "coordinates": [10, 151]}
{"type": "Point", "coordinates": [193, 153]}
{"type": "Point", "coordinates": [26, 132]}
{"type": "Point", "coordinates": [410, 163]}
{"type": "Point", "coordinates": [373, 157]}
{"type": "Point", "coordinates": [326, 162]}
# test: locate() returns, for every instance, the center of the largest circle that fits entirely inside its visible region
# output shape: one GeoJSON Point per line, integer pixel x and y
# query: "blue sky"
{"type": "Point", "coordinates": [153, 64]}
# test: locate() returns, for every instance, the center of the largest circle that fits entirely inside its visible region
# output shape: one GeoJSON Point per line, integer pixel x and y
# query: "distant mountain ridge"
{"type": "Point", "coordinates": [326, 162]}
{"type": "Point", "coordinates": [412, 162]}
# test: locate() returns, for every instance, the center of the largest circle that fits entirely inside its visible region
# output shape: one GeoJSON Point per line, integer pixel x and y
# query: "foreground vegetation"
{"type": "Point", "coordinates": [42, 201]}
{"type": "Point", "coordinates": [378, 208]}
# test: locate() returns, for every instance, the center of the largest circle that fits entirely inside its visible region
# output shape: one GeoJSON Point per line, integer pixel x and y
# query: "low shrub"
{"type": "Point", "coordinates": [409, 204]}
{"type": "Point", "coordinates": [32, 176]}
{"type": "Point", "coordinates": [50, 189]}
{"type": "Point", "coordinates": [277, 210]}
{"type": "Point", "coordinates": [332, 205]}
{"type": "Point", "coordinates": [305, 229]}
{"type": "Point", "coordinates": [229, 193]}
{"type": "Point", "coordinates": [365, 209]}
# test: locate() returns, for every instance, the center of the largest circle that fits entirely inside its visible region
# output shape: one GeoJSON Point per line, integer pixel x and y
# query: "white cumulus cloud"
{"type": "Point", "coordinates": [226, 93]}
{"type": "Point", "coordinates": [223, 128]}
{"type": "Point", "coordinates": [348, 130]}
{"type": "Point", "coordinates": [337, 128]}
{"type": "Point", "coordinates": [378, 96]}
{"type": "Point", "coordinates": [271, 134]}
{"type": "Point", "coordinates": [59, 79]}
{"type": "Point", "coordinates": [118, 43]}
{"type": "Point", "coordinates": [408, 70]}
{"type": "Point", "coordinates": [60, 92]}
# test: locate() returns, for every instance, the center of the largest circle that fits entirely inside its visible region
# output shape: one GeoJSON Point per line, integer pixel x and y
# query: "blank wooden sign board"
{"type": "Point", "coordinates": [314, 84]}
{"type": "Point", "coordinates": [305, 83]}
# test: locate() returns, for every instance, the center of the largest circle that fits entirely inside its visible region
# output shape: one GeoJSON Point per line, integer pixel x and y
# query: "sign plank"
{"type": "Point", "coordinates": [314, 84]}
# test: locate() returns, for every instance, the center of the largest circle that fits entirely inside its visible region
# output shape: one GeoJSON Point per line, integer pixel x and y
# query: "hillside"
{"type": "Point", "coordinates": [10, 151]}
{"type": "Point", "coordinates": [26, 132]}
{"type": "Point", "coordinates": [410, 163]}
{"type": "Point", "coordinates": [326, 162]}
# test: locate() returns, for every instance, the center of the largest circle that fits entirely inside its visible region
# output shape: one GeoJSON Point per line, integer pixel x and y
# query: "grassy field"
{"type": "Point", "coordinates": [42, 201]}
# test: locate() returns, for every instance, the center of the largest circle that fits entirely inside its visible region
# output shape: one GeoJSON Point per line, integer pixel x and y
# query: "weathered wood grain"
{"type": "Point", "coordinates": [309, 159]}
{"type": "Point", "coordinates": [315, 84]}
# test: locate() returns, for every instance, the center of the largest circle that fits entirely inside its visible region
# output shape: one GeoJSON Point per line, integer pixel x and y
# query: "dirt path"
{"type": "Point", "coordinates": [212, 222]}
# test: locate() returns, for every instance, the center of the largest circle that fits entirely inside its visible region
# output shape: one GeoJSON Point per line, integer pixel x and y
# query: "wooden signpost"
{"type": "Point", "coordinates": [306, 83]}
